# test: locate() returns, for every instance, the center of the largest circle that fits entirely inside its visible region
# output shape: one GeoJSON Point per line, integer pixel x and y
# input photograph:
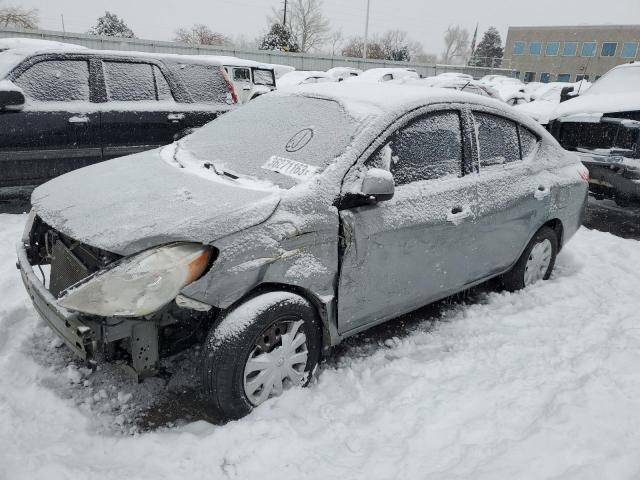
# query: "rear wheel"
{"type": "Point", "coordinates": [536, 263]}
{"type": "Point", "coordinates": [269, 343]}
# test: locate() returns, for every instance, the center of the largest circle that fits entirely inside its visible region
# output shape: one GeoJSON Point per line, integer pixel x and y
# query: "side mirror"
{"type": "Point", "coordinates": [11, 97]}
{"type": "Point", "coordinates": [565, 94]}
{"type": "Point", "coordinates": [378, 184]}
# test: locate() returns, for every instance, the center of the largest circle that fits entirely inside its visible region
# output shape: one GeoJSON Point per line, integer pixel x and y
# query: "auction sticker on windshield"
{"type": "Point", "coordinates": [288, 167]}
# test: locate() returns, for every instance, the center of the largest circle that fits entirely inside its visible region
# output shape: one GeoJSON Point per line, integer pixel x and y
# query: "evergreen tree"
{"type": "Point", "coordinates": [111, 25]}
{"type": "Point", "coordinates": [279, 38]}
{"type": "Point", "coordinates": [489, 52]}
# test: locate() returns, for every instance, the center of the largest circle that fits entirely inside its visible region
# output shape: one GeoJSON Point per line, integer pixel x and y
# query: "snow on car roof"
{"type": "Point", "coordinates": [35, 43]}
{"type": "Point", "coordinates": [362, 100]}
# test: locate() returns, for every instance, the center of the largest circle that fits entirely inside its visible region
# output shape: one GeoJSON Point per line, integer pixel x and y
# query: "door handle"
{"type": "Point", "coordinates": [246, 88]}
{"type": "Point", "coordinates": [175, 117]}
{"type": "Point", "coordinates": [79, 119]}
{"type": "Point", "coordinates": [541, 192]}
{"type": "Point", "coordinates": [458, 214]}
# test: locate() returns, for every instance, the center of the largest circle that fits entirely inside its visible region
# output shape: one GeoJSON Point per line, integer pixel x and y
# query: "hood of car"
{"type": "Point", "coordinates": [598, 104]}
{"type": "Point", "coordinates": [132, 203]}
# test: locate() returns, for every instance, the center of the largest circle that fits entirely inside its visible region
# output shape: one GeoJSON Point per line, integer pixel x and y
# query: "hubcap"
{"type": "Point", "coordinates": [538, 262]}
{"type": "Point", "coordinates": [276, 362]}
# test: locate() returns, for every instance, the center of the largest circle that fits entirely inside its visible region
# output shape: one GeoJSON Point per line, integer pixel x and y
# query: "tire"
{"type": "Point", "coordinates": [516, 278]}
{"type": "Point", "coordinates": [243, 332]}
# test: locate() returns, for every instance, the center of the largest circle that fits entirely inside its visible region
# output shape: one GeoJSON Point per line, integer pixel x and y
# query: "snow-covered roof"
{"type": "Point", "coordinates": [35, 43]}
{"type": "Point", "coordinates": [376, 74]}
{"type": "Point", "coordinates": [375, 99]}
{"type": "Point", "coordinates": [296, 78]}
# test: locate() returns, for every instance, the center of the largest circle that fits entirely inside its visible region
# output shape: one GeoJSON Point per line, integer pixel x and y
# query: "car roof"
{"type": "Point", "coordinates": [366, 100]}
{"type": "Point", "coordinates": [203, 59]}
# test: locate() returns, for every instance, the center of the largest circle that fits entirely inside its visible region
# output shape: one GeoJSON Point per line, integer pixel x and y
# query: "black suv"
{"type": "Point", "coordinates": [65, 109]}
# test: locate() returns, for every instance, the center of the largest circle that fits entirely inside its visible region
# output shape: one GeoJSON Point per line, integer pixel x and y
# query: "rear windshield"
{"type": "Point", "coordinates": [205, 83]}
{"type": "Point", "coordinates": [279, 139]}
{"type": "Point", "coordinates": [263, 76]}
{"type": "Point", "coordinates": [620, 80]}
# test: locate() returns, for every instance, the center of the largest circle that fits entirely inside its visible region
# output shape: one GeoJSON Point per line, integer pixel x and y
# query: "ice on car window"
{"type": "Point", "coordinates": [56, 81]}
{"type": "Point", "coordinates": [497, 139]}
{"type": "Point", "coordinates": [527, 141]}
{"type": "Point", "coordinates": [243, 140]}
{"type": "Point", "coordinates": [129, 82]}
{"type": "Point", "coordinates": [263, 77]}
{"type": "Point", "coordinates": [205, 83]}
{"type": "Point", "coordinates": [428, 148]}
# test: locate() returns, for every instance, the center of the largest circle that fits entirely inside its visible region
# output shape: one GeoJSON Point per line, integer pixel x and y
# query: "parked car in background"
{"type": "Point", "coordinates": [545, 98]}
{"type": "Point", "coordinates": [350, 205]}
{"type": "Point", "coordinates": [250, 79]}
{"type": "Point", "coordinates": [62, 109]}
{"type": "Point", "coordinates": [342, 73]}
{"type": "Point", "coordinates": [453, 83]}
{"type": "Point", "coordinates": [511, 90]}
{"type": "Point", "coordinates": [292, 80]}
{"type": "Point", "coordinates": [377, 75]}
{"type": "Point", "coordinates": [603, 126]}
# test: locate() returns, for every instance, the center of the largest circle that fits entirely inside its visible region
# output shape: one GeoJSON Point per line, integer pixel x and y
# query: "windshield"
{"type": "Point", "coordinates": [8, 60]}
{"type": "Point", "coordinates": [282, 140]}
{"type": "Point", "coordinates": [619, 80]}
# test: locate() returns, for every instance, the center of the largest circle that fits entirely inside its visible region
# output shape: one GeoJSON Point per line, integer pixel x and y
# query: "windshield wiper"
{"type": "Point", "coordinates": [212, 166]}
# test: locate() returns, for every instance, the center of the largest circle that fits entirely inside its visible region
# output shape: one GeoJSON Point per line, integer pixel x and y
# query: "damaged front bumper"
{"type": "Point", "coordinates": [80, 336]}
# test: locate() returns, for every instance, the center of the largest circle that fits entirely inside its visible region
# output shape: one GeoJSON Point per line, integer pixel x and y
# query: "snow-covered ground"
{"type": "Point", "coordinates": [539, 384]}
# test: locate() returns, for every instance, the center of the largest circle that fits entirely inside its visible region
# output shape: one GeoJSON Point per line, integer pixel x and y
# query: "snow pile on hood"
{"type": "Point", "coordinates": [617, 91]}
{"type": "Point", "coordinates": [542, 383]}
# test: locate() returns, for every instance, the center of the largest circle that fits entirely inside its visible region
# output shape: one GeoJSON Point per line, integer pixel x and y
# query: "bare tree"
{"type": "Point", "coordinates": [355, 46]}
{"type": "Point", "coordinates": [336, 39]}
{"type": "Point", "coordinates": [200, 34]}
{"type": "Point", "coordinates": [456, 40]}
{"type": "Point", "coordinates": [19, 17]}
{"type": "Point", "coordinates": [306, 22]}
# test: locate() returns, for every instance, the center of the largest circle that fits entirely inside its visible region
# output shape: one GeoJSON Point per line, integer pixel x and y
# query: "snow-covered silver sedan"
{"type": "Point", "coordinates": [278, 230]}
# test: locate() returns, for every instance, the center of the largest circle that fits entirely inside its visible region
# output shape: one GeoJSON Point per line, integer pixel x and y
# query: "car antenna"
{"type": "Point", "coordinates": [465, 85]}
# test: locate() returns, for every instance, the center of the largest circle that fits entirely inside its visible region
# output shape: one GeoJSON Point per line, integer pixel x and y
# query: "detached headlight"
{"type": "Point", "coordinates": [140, 285]}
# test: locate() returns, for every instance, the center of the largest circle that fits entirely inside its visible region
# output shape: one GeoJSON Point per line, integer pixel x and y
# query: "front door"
{"type": "Point", "coordinates": [415, 248]}
{"type": "Point", "coordinates": [58, 129]}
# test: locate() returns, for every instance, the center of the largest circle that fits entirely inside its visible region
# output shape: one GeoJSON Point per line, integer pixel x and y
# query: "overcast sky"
{"type": "Point", "coordinates": [425, 20]}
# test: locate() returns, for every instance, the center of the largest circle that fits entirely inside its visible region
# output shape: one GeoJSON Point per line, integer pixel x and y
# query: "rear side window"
{"type": "Point", "coordinates": [129, 82]}
{"type": "Point", "coordinates": [264, 77]}
{"type": "Point", "coordinates": [56, 81]}
{"type": "Point", "coordinates": [427, 148]}
{"type": "Point", "coordinates": [528, 141]}
{"type": "Point", "coordinates": [497, 139]}
{"type": "Point", "coordinates": [205, 83]}
{"type": "Point", "coordinates": [241, 75]}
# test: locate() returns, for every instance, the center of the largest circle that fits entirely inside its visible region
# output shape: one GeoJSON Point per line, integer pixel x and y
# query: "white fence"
{"type": "Point", "coordinates": [301, 61]}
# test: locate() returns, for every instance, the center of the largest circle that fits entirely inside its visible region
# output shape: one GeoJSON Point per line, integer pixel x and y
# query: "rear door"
{"type": "Point", "coordinates": [57, 131]}
{"type": "Point", "coordinates": [241, 78]}
{"type": "Point", "coordinates": [513, 192]}
{"type": "Point", "coordinates": [417, 247]}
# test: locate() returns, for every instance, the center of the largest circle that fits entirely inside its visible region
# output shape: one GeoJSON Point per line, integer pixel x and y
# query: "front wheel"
{"type": "Point", "coordinates": [265, 345]}
{"type": "Point", "coordinates": [536, 262]}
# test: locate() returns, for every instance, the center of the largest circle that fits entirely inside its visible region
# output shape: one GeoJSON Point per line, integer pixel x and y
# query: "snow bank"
{"type": "Point", "coordinates": [538, 384]}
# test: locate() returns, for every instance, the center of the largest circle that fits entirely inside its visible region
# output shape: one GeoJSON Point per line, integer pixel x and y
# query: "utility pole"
{"type": "Point", "coordinates": [284, 20]}
{"type": "Point", "coordinates": [366, 32]}
{"type": "Point", "coordinates": [62, 18]}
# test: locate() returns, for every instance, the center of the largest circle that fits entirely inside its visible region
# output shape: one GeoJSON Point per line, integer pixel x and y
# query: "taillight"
{"type": "Point", "coordinates": [232, 89]}
{"type": "Point", "coordinates": [584, 173]}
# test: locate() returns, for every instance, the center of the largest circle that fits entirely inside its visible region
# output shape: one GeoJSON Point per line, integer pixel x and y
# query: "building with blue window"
{"type": "Point", "coordinates": [569, 53]}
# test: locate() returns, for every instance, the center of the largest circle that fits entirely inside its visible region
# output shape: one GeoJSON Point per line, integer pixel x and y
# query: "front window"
{"type": "Point", "coordinates": [609, 49]}
{"type": "Point", "coordinates": [535, 48]}
{"type": "Point", "coordinates": [280, 140]}
{"type": "Point", "coordinates": [56, 81]}
{"type": "Point", "coordinates": [629, 50]}
{"type": "Point", "coordinates": [518, 48]}
{"type": "Point", "coordinates": [588, 49]}
{"type": "Point", "coordinates": [570, 49]}
{"type": "Point", "coordinates": [552, 49]}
